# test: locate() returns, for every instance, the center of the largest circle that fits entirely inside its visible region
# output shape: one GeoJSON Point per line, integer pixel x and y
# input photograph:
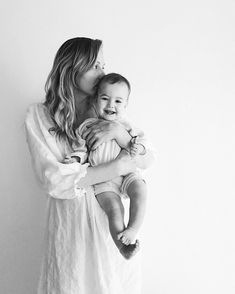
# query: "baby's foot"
{"type": "Point", "coordinates": [130, 250]}
{"type": "Point", "coordinates": [127, 236]}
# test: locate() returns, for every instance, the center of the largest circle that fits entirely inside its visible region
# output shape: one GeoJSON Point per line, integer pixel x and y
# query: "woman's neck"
{"type": "Point", "coordinates": [82, 105]}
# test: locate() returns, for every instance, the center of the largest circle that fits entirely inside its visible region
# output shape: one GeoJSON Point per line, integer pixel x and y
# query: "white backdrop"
{"type": "Point", "coordinates": [180, 59]}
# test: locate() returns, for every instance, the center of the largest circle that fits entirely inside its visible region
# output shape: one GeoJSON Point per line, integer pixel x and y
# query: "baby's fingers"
{"type": "Point", "coordinates": [134, 145]}
{"type": "Point", "coordinates": [133, 152]}
{"type": "Point", "coordinates": [134, 140]}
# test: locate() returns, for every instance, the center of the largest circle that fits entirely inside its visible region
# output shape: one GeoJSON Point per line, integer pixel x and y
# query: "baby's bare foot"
{"type": "Point", "coordinates": [130, 250]}
{"type": "Point", "coordinates": [127, 236]}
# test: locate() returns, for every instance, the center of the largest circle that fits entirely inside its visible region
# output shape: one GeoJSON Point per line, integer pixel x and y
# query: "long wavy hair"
{"type": "Point", "coordinates": [75, 57]}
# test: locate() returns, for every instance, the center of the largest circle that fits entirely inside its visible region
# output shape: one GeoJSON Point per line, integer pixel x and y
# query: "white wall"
{"type": "Point", "coordinates": [179, 57]}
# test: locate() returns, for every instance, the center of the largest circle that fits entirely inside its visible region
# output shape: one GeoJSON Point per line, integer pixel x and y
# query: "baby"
{"type": "Point", "coordinates": [110, 104]}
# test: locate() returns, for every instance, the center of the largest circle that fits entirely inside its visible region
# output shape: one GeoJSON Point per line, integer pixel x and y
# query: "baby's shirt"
{"type": "Point", "coordinates": [107, 151]}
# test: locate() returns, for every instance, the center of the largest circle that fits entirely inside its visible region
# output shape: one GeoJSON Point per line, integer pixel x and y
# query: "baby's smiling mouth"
{"type": "Point", "coordinates": [109, 112]}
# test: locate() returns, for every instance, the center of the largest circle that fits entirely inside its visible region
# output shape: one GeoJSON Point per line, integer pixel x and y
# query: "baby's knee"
{"type": "Point", "coordinates": [137, 187]}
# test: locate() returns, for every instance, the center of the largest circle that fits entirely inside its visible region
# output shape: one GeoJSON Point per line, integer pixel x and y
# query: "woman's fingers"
{"type": "Point", "coordinates": [99, 133]}
{"type": "Point", "coordinates": [90, 132]}
{"type": "Point", "coordinates": [99, 126]}
{"type": "Point", "coordinates": [97, 140]}
{"type": "Point", "coordinates": [91, 142]}
{"type": "Point", "coordinates": [103, 131]}
{"type": "Point", "coordinates": [91, 136]}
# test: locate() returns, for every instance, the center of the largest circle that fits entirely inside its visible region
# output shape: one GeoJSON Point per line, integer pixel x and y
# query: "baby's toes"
{"type": "Point", "coordinates": [124, 240]}
{"type": "Point", "coordinates": [128, 241]}
{"type": "Point", "coordinates": [119, 236]}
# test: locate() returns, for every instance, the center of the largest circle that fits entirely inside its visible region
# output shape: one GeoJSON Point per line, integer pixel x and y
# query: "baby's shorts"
{"type": "Point", "coordinates": [119, 185]}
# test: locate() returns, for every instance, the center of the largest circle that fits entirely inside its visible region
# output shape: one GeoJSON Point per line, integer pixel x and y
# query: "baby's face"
{"type": "Point", "coordinates": [112, 100]}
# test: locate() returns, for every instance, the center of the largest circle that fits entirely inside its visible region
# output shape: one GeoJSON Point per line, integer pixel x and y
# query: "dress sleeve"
{"type": "Point", "coordinates": [80, 149]}
{"type": "Point", "coordinates": [59, 180]}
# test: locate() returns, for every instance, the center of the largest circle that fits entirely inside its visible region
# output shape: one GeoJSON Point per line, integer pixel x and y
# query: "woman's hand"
{"type": "Point", "coordinates": [127, 163]}
{"type": "Point", "coordinates": [103, 131]}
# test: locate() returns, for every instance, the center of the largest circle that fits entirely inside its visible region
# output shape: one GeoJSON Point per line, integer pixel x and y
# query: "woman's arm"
{"type": "Point", "coordinates": [104, 131]}
{"type": "Point", "coordinates": [146, 160]}
{"type": "Point", "coordinates": [121, 166]}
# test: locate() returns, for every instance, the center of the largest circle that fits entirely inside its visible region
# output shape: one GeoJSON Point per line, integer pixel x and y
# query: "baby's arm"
{"type": "Point", "coordinates": [140, 148]}
{"type": "Point", "coordinates": [136, 148]}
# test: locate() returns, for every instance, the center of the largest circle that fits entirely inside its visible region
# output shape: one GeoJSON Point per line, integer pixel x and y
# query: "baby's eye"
{"type": "Point", "coordinates": [118, 101]}
{"type": "Point", "coordinates": [96, 66]}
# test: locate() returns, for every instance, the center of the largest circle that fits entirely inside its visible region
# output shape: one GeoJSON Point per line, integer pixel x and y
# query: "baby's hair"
{"type": "Point", "coordinates": [113, 78]}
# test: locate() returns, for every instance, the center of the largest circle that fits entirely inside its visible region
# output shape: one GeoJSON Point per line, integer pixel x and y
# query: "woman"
{"type": "Point", "coordinates": [80, 257]}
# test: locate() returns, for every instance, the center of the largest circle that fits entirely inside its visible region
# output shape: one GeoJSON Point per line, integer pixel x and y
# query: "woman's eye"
{"type": "Point", "coordinates": [118, 101]}
{"type": "Point", "coordinates": [104, 98]}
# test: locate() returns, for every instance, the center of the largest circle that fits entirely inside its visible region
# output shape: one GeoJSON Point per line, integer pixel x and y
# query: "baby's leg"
{"type": "Point", "coordinates": [111, 203]}
{"type": "Point", "coordinates": [138, 193]}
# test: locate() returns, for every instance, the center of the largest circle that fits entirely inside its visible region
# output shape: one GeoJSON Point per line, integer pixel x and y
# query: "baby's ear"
{"type": "Point", "coordinates": [126, 104]}
{"type": "Point", "coordinates": [96, 97]}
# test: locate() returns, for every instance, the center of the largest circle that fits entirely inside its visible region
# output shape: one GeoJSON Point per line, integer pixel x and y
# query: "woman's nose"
{"type": "Point", "coordinates": [101, 71]}
{"type": "Point", "coordinates": [99, 75]}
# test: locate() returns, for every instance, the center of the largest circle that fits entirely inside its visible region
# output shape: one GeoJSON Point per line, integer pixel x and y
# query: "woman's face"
{"type": "Point", "coordinates": [89, 79]}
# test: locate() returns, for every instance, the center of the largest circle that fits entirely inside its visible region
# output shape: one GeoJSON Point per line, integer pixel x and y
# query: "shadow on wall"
{"type": "Point", "coordinates": [23, 204]}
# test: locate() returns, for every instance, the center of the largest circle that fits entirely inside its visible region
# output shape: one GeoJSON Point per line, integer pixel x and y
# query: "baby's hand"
{"type": "Point", "coordinates": [136, 148]}
{"type": "Point", "coordinates": [69, 159]}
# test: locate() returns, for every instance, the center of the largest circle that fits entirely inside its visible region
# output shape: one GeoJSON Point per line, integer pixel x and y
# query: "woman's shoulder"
{"type": "Point", "coordinates": [37, 112]}
{"type": "Point", "coordinates": [33, 108]}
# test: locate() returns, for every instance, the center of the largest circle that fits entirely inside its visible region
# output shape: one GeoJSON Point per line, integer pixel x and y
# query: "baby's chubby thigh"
{"type": "Point", "coordinates": [111, 203]}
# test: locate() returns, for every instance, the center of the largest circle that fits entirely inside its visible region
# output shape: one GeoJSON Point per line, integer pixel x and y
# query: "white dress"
{"type": "Point", "coordinates": [80, 256]}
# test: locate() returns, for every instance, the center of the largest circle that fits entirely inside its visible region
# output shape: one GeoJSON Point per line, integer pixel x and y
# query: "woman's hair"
{"type": "Point", "coordinates": [75, 57]}
{"type": "Point", "coordinates": [113, 78]}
